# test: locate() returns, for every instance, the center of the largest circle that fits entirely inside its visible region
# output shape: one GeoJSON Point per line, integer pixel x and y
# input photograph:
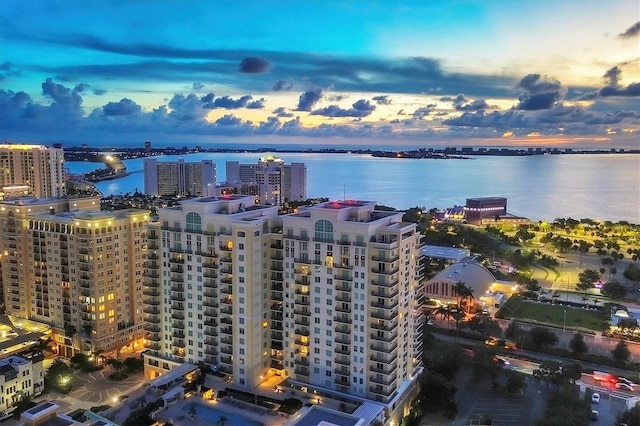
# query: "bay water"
{"type": "Point", "coordinates": [540, 187]}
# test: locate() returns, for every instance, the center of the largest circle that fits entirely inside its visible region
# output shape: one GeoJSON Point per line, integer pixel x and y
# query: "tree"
{"type": "Point", "coordinates": [632, 273]}
{"type": "Point", "coordinates": [614, 289]}
{"type": "Point", "coordinates": [221, 421]}
{"type": "Point", "coordinates": [578, 346]}
{"type": "Point", "coordinates": [515, 383]}
{"type": "Point", "coordinates": [586, 279]}
{"type": "Point", "coordinates": [621, 353]}
{"type": "Point", "coordinates": [543, 337]}
{"type": "Point", "coordinates": [630, 417]}
{"type": "Point", "coordinates": [116, 364]}
{"type": "Point", "coordinates": [193, 411]}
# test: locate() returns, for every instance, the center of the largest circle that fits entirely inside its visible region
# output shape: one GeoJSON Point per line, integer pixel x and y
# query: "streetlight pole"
{"type": "Point", "coordinates": [564, 320]}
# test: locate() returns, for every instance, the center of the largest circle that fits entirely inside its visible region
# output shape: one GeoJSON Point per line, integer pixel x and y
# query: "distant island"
{"type": "Point", "coordinates": [95, 154]}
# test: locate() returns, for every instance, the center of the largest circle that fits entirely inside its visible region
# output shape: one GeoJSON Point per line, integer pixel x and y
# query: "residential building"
{"type": "Point", "coordinates": [76, 268]}
{"type": "Point", "coordinates": [19, 378]}
{"type": "Point", "coordinates": [277, 181]}
{"type": "Point", "coordinates": [179, 178]}
{"type": "Point", "coordinates": [326, 298]}
{"type": "Point", "coordinates": [34, 170]}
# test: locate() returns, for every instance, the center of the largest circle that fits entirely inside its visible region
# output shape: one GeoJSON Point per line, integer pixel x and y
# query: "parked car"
{"type": "Point", "coordinates": [595, 415]}
{"type": "Point", "coordinates": [595, 398]}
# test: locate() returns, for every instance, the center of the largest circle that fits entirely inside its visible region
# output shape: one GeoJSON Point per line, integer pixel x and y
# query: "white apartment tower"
{"type": "Point", "coordinates": [34, 170]}
{"type": "Point", "coordinates": [179, 178]}
{"type": "Point", "coordinates": [76, 268]}
{"type": "Point", "coordinates": [325, 297]}
{"type": "Point", "coordinates": [277, 181]}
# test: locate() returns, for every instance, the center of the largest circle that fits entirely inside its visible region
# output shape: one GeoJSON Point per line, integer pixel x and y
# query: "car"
{"type": "Point", "coordinates": [624, 386]}
{"type": "Point", "coordinates": [595, 398]}
{"type": "Point", "coordinates": [625, 380]}
{"type": "Point", "coordinates": [595, 415]}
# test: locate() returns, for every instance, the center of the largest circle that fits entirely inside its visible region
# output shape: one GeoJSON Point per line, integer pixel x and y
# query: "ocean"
{"type": "Point", "coordinates": [540, 187]}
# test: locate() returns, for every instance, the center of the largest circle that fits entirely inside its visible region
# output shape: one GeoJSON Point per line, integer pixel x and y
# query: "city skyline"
{"type": "Point", "coordinates": [320, 73]}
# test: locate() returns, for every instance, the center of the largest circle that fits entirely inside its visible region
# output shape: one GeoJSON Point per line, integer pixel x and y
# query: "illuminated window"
{"type": "Point", "coordinates": [194, 222]}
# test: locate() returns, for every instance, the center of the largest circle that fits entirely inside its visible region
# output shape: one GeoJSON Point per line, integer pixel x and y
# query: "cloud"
{"type": "Point", "coordinates": [539, 93]}
{"type": "Point", "coordinates": [423, 111]}
{"type": "Point", "coordinates": [61, 94]}
{"type": "Point", "coordinates": [282, 85]}
{"type": "Point", "coordinates": [123, 107]}
{"type": "Point", "coordinates": [257, 104]}
{"type": "Point", "coordinates": [382, 100]}
{"type": "Point", "coordinates": [282, 112]}
{"type": "Point", "coordinates": [98, 92]}
{"type": "Point", "coordinates": [254, 65]}
{"type": "Point", "coordinates": [632, 31]}
{"type": "Point", "coordinates": [475, 105]}
{"type": "Point", "coordinates": [197, 86]}
{"type": "Point", "coordinates": [230, 103]}
{"type": "Point", "coordinates": [361, 108]}
{"type": "Point", "coordinates": [208, 98]}
{"type": "Point", "coordinates": [612, 87]}
{"type": "Point", "coordinates": [308, 99]}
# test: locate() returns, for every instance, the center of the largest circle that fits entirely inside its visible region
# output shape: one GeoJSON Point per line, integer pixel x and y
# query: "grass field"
{"type": "Point", "coordinates": [555, 314]}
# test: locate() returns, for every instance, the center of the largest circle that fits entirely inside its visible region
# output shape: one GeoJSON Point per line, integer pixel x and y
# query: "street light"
{"type": "Point", "coordinates": [564, 321]}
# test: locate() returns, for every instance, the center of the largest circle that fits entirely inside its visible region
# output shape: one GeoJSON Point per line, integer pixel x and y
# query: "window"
{"type": "Point", "coordinates": [324, 230]}
{"type": "Point", "coordinates": [194, 222]}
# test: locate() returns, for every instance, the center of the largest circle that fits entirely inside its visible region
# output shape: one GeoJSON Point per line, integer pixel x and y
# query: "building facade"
{"type": "Point", "coordinates": [76, 268]}
{"type": "Point", "coordinates": [33, 170]}
{"type": "Point", "coordinates": [179, 178]}
{"type": "Point", "coordinates": [325, 297]}
{"type": "Point", "coordinates": [277, 181]}
{"type": "Point", "coordinates": [477, 209]}
{"type": "Point", "coordinates": [19, 378]}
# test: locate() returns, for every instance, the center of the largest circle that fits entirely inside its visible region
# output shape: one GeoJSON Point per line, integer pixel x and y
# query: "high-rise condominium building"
{"type": "Point", "coordinates": [277, 181]}
{"type": "Point", "coordinates": [179, 177]}
{"type": "Point", "coordinates": [34, 170]}
{"type": "Point", "coordinates": [325, 297]}
{"type": "Point", "coordinates": [67, 264]}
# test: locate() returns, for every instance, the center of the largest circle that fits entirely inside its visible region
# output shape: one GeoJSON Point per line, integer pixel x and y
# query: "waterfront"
{"type": "Point", "coordinates": [597, 186]}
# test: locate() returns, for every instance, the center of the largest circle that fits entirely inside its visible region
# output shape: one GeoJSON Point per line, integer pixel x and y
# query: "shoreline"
{"type": "Point", "coordinates": [93, 154]}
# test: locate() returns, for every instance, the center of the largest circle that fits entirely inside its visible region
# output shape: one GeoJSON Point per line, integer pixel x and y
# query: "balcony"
{"type": "Point", "coordinates": [385, 271]}
{"type": "Point", "coordinates": [343, 329]}
{"type": "Point", "coordinates": [226, 350]}
{"type": "Point", "coordinates": [277, 316]}
{"type": "Point", "coordinates": [384, 315]}
{"type": "Point", "coordinates": [343, 340]}
{"type": "Point", "coordinates": [386, 259]}
{"type": "Point", "coordinates": [277, 364]}
{"type": "Point", "coordinates": [343, 277]}
{"type": "Point", "coordinates": [302, 292]}
{"type": "Point", "coordinates": [342, 360]}
{"type": "Point", "coordinates": [226, 360]}
{"type": "Point", "coordinates": [338, 265]}
{"type": "Point", "coordinates": [385, 293]}
{"type": "Point", "coordinates": [302, 331]}
{"type": "Point", "coordinates": [304, 301]}
{"type": "Point", "coordinates": [177, 307]}
{"type": "Point", "coordinates": [210, 293]}
{"type": "Point", "coordinates": [177, 288]}
{"type": "Point", "coordinates": [384, 358]}
{"type": "Point", "coordinates": [343, 286]}
{"type": "Point", "coordinates": [176, 260]}
{"type": "Point", "coordinates": [227, 330]}
{"type": "Point", "coordinates": [227, 320]}
{"type": "Point", "coordinates": [302, 371]}
{"type": "Point", "coordinates": [381, 325]}
{"type": "Point", "coordinates": [387, 369]}
{"type": "Point", "coordinates": [209, 331]}
{"type": "Point", "coordinates": [301, 342]}
{"type": "Point", "coordinates": [226, 289]}
{"type": "Point", "coordinates": [227, 300]}
{"type": "Point", "coordinates": [342, 371]}
{"type": "Point", "coordinates": [389, 284]}
{"type": "Point", "coordinates": [302, 321]}
{"type": "Point", "coordinates": [276, 286]}
{"type": "Point", "coordinates": [342, 351]}
{"type": "Point", "coordinates": [178, 334]}
{"type": "Point", "coordinates": [177, 315]}
{"type": "Point", "coordinates": [379, 390]}
{"type": "Point", "coordinates": [385, 304]}
{"type": "Point", "coordinates": [211, 351]}
{"type": "Point", "coordinates": [302, 311]}
{"type": "Point", "coordinates": [342, 319]}
{"type": "Point", "coordinates": [342, 297]}
{"type": "Point", "coordinates": [345, 309]}
{"type": "Point", "coordinates": [302, 361]}
{"type": "Point", "coordinates": [384, 337]}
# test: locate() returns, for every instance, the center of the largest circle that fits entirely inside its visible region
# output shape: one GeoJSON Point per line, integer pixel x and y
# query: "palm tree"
{"type": "Point", "coordinates": [192, 411]}
{"type": "Point", "coordinates": [221, 420]}
{"type": "Point", "coordinates": [443, 311]}
{"type": "Point", "coordinates": [461, 290]}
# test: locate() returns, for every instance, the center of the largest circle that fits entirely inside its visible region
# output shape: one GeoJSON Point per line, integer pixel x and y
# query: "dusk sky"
{"type": "Point", "coordinates": [422, 73]}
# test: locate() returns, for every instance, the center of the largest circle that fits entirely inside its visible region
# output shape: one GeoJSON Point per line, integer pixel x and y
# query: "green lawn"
{"type": "Point", "coordinates": [555, 314]}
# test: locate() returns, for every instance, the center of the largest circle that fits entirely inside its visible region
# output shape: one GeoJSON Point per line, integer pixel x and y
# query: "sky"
{"type": "Point", "coordinates": [358, 73]}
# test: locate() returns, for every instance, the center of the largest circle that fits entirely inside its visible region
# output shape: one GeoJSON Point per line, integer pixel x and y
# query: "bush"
{"type": "Point", "coordinates": [116, 376]}
{"type": "Point", "coordinates": [98, 408]}
{"type": "Point", "coordinates": [290, 405]}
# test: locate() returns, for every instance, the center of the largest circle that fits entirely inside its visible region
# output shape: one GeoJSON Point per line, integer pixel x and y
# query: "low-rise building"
{"type": "Point", "coordinates": [19, 378]}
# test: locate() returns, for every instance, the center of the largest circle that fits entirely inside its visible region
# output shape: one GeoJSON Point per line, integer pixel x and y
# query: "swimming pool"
{"type": "Point", "coordinates": [213, 415]}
